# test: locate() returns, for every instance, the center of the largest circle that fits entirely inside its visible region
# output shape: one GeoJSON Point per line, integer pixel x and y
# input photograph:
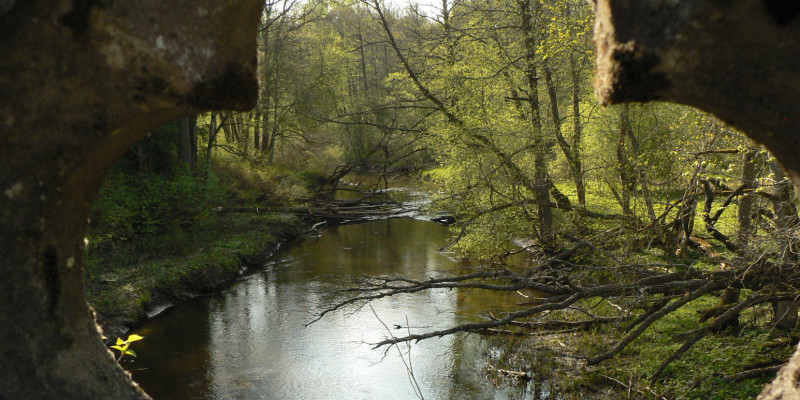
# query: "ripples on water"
{"type": "Point", "coordinates": [251, 343]}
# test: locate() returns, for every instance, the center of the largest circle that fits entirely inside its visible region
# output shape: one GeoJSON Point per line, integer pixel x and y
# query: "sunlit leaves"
{"type": "Point", "coordinates": [123, 346]}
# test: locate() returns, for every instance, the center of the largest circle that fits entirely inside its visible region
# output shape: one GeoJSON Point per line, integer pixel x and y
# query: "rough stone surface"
{"type": "Point", "coordinates": [80, 82]}
{"type": "Point", "coordinates": [786, 385]}
{"type": "Point", "coordinates": [735, 58]}
{"type": "Point", "coordinates": [738, 59]}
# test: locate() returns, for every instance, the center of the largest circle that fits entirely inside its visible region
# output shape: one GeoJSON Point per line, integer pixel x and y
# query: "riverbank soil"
{"type": "Point", "coordinates": [126, 280]}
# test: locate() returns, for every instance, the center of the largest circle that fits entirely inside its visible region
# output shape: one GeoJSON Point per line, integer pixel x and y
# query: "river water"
{"type": "Point", "coordinates": [251, 342]}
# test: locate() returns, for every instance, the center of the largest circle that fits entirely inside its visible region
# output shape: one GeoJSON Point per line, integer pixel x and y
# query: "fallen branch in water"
{"type": "Point", "coordinates": [513, 374]}
{"type": "Point", "coordinates": [653, 291]}
{"type": "Point", "coordinates": [333, 210]}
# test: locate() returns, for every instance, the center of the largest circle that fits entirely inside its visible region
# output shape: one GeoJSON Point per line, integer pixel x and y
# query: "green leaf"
{"type": "Point", "coordinates": [134, 337]}
{"type": "Point", "coordinates": [131, 352]}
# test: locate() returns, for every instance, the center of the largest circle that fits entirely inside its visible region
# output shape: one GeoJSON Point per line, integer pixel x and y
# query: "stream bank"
{"type": "Point", "coordinates": [254, 341]}
{"type": "Point", "coordinates": [128, 282]}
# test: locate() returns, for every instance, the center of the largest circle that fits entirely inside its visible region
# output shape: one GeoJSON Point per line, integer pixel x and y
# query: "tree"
{"type": "Point", "coordinates": [187, 141]}
{"type": "Point", "coordinates": [528, 11]}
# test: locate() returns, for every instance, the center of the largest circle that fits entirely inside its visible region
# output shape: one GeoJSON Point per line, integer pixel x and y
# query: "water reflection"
{"type": "Point", "coordinates": [251, 343]}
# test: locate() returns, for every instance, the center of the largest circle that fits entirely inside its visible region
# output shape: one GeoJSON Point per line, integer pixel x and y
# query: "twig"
{"type": "Point", "coordinates": [628, 387]}
{"type": "Point", "coordinates": [754, 373]}
{"type": "Point", "coordinates": [411, 378]}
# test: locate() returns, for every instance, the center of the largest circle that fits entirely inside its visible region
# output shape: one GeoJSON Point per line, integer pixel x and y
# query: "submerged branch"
{"type": "Point", "coordinates": [656, 291]}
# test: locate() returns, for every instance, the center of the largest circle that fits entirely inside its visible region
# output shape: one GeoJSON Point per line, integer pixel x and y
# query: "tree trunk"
{"type": "Point", "coordinates": [577, 131]}
{"type": "Point", "coordinates": [788, 222]}
{"type": "Point", "coordinates": [90, 79]}
{"type": "Point", "coordinates": [623, 164]}
{"type": "Point", "coordinates": [745, 211]}
{"type": "Point", "coordinates": [184, 141]}
{"type": "Point", "coordinates": [256, 132]}
{"type": "Point", "coordinates": [193, 141]}
{"type": "Point", "coordinates": [542, 193]}
{"type": "Point", "coordinates": [266, 139]}
{"type": "Point", "coordinates": [227, 119]}
{"type": "Point", "coordinates": [732, 296]}
{"type": "Point", "coordinates": [212, 137]}
{"type": "Point", "coordinates": [139, 158]}
{"type": "Point", "coordinates": [640, 176]}
{"type": "Point", "coordinates": [363, 59]}
{"type": "Point", "coordinates": [574, 163]}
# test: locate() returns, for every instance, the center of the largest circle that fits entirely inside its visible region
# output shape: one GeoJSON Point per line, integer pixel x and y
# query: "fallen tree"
{"type": "Point", "coordinates": [84, 80]}
{"type": "Point", "coordinates": [649, 293]}
{"type": "Point", "coordinates": [729, 58]}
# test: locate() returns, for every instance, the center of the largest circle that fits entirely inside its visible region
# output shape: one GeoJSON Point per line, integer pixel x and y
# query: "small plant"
{"type": "Point", "coordinates": [123, 346]}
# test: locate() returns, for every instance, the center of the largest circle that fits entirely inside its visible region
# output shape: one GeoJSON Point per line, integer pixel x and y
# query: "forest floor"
{"type": "Point", "coordinates": [711, 370]}
{"type": "Point", "coordinates": [126, 281]}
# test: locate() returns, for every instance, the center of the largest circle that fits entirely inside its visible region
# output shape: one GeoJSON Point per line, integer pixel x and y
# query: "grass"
{"type": "Point", "coordinates": [699, 374]}
{"type": "Point", "coordinates": [155, 239]}
{"type": "Point", "coordinates": [125, 282]}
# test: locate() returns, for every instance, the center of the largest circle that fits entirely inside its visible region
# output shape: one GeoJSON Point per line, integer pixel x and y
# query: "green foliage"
{"type": "Point", "coordinates": [130, 206]}
{"type": "Point", "coordinates": [478, 115]}
{"type": "Point", "coordinates": [123, 346]}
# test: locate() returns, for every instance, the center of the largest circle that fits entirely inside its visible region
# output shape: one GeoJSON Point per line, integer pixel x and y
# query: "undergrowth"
{"type": "Point", "coordinates": [156, 238]}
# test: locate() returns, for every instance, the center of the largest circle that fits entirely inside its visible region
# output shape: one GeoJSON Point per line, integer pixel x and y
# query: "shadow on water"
{"type": "Point", "coordinates": [251, 343]}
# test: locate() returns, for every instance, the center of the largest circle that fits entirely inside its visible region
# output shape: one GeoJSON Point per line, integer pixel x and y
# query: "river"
{"type": "Point", "coordinates": [252, 342]}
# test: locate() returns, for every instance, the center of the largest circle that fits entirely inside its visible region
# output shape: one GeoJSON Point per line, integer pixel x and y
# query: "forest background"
{"type": "Point", "coordinates": [666, 240]}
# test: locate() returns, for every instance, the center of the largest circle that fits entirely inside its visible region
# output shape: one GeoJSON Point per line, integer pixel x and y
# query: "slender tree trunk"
{"type": "Point", "coordinates": [266, 138]}
{"type": "Point", "coordinates": [257, 131]}
{"type": "Point", "coordinates": [623, 164]}
{"type": "Point", "coordinates": [243, 129]}
{"type": "Point", "coordinates": [273, 137]}
{"type": "Point", "coordinates": [542, 194]}
{"type": "Point", "coordinates": [745, 210]}
{"type": "Point", "coordinates": [266, 88]}
{"type": "Point", "coordinates": [640, 174]}
{"type": "Point", "coordinates": [184, 141]}
{"type": "Point", "coordinates": [193, 140]}
{"type": "Point", "coordinates": [572, 160]}
{"type": "Point", "coordinates": [363, 59]}
{"type": "Point", "coordinates": [212, 137]}
{"type": "Point", "coordinates": [226, 126]}
{"type": "Point", "coordinates": [140, 160]}
{"type": "Point", "coordinates": [731, 296]}
{"type": "Point", "coordinates": [577, 131]}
